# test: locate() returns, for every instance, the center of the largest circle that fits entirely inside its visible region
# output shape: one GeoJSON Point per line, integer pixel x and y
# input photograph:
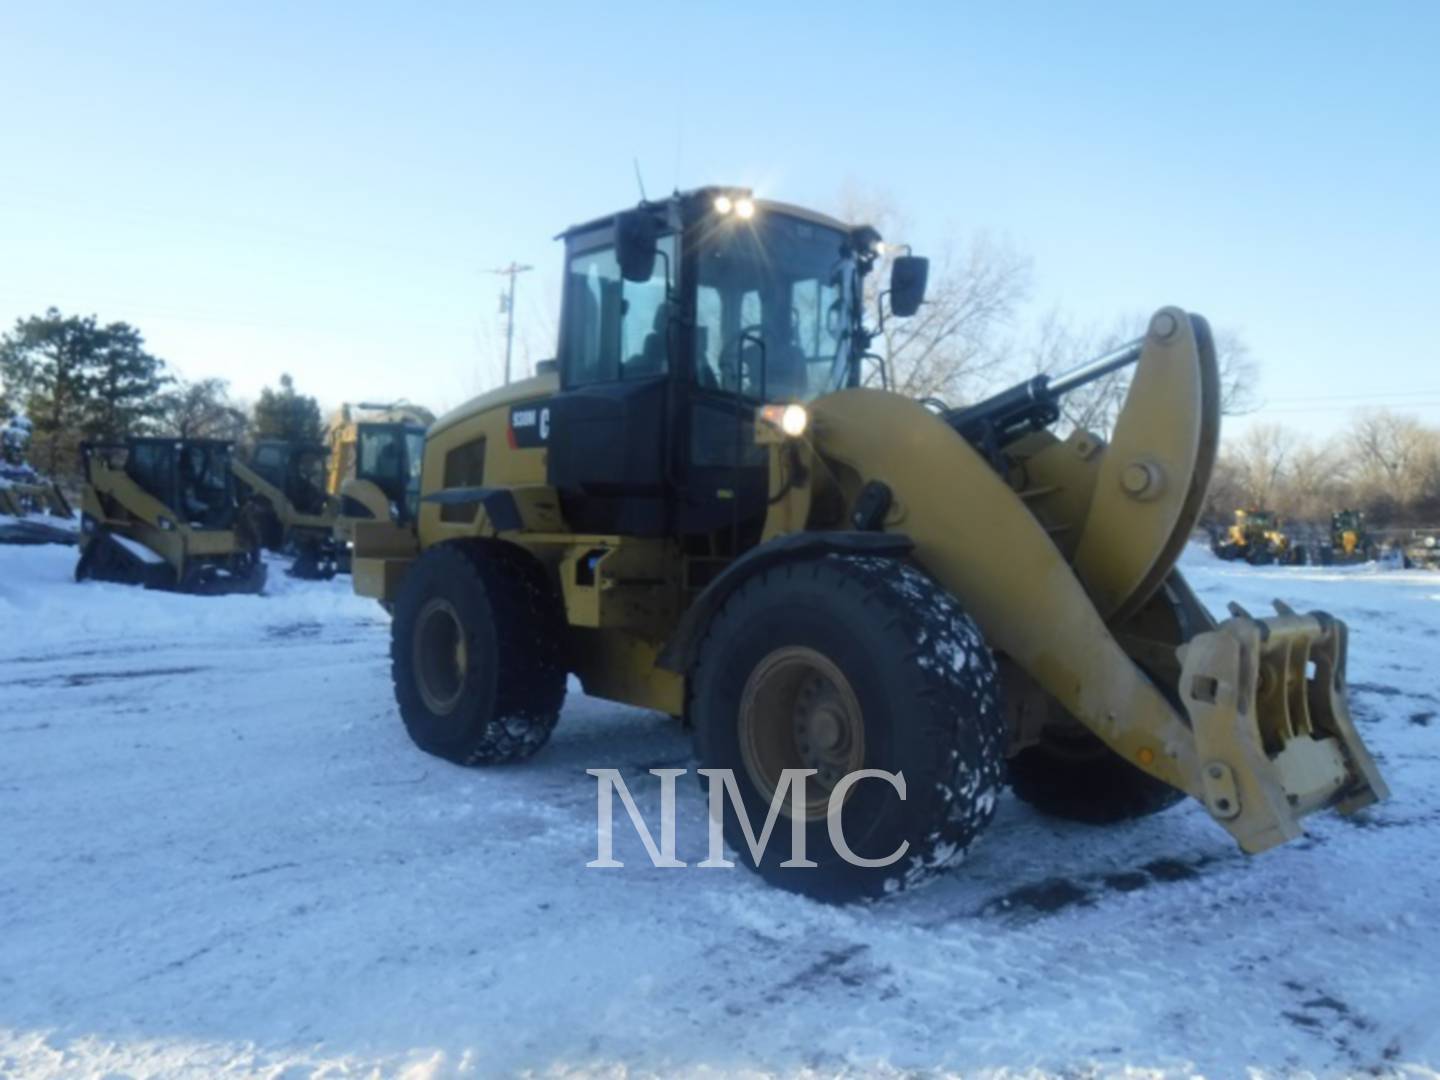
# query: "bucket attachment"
{"type": "Point", "coordinates": [1273, 736]}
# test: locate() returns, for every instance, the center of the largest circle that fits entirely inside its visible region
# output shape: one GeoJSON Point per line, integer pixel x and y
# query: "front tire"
{"type": "Point", "coordinates": [1071, 774]}
{"type": "Point", "coordinates": [846, 663]}
{"type": "Point", "coordinates": [476, 653]}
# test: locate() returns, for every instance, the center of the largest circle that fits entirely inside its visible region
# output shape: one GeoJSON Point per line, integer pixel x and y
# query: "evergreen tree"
{"type": "Point", "coordinates": [127, 385]}
{"type": "Point", "coordinates": [285, 414]}
{"type": "Point", "coordinates": [76, 378]}
{"type": "Point", "coordinates": [46, 362]}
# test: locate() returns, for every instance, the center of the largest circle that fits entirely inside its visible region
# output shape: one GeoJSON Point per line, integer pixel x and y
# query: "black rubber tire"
{"type": "Point", "coordinates": [514, 629]}
{"type": "Point", "coordinates": [1090, 784]}
{"type": "Point", "coordinates": [929, 694]}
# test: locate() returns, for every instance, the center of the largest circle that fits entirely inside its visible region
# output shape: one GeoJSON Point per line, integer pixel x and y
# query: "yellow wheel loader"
{"type": "Point", "coordinates": [163, 513]}
{"type": "Point", "coordinates": [1350, 540]}
{"type": "Point", "coordinates": [374, 466]}
{"type": "Point", "coordinates": [700, 510]}
{"type": "Point", "coordinates": [285, 507]}
{"type": "Point", "coordinates": [1257, 538]}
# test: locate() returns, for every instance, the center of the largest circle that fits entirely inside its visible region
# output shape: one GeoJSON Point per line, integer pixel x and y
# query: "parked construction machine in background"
{"type": "Point", "coordinates": [285, 506]}
{"type": "Point", "coordinates": [164, 513]}
{"type": "Point", "coordinates": [1350, 541]}
{"type": "Point", "coordinates": [374, 466]}
{"type": "Point", "coordinates": [1422, 549]}
{"type": "Point", "coordinates": [1257, 538]}
{"type": "Point", "coordinates": [704, 514]}
{"type": "Point", "coordinates": [33, 506]}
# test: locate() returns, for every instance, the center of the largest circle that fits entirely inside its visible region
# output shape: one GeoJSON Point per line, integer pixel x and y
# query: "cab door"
{"type": "Point", "coordinates": [609, 424]}
{"type": "Point", "coordinates": [725, 472]}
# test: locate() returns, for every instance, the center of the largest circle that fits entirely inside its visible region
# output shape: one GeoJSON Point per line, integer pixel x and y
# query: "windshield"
{"type": "Point", "coordinates": [308, 481]}
{"type": "Point", "coordinates": [206, 498]}
{"type": "Point", "coordinates": [774, 308]}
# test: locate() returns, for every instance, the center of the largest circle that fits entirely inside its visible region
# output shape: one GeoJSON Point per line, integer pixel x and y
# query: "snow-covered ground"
{"type": "Point", "coordinates": [220, 855]}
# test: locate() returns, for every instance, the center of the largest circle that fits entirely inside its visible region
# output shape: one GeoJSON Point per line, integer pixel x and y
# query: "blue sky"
{"type": "Point", "coordinates": [320, 189]}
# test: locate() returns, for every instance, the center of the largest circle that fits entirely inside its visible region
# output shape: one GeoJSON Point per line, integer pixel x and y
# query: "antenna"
{"type": "Point", "coordinates": [679, 144]}
{"type": "Point", "coordinates": [639, 180]}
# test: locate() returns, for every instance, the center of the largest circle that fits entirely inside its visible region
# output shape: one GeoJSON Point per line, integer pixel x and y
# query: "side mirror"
{"type": "Point", "coordinates": [636, 232]}
{"type": "Point", "coordinates": [908, 275]}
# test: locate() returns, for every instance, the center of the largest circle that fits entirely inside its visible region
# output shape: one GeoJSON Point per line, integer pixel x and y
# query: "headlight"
{"type": "Point", "coordinates": [790, 419]}
{"type": "Point", "coordinates": [744, 208]}
{"type": "Point", "coordinates": [723, 205]}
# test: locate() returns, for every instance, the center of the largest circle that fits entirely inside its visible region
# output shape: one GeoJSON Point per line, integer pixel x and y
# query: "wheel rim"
{"type": "Point", "coordinates": [798, 711]}
{"type": "Point", "coordinates": [440, 654]}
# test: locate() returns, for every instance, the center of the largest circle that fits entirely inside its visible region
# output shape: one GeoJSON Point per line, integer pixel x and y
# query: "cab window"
{"type": "Point", "coordinates": [614, 329]}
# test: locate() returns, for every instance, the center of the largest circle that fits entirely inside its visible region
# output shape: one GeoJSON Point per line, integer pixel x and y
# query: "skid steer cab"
{"type": "Point", "coordinates": [284, 505]}
{"type": "Point", "coordinates": [164, 513]}
{"type": "Point", "coordinates": [711, 506]}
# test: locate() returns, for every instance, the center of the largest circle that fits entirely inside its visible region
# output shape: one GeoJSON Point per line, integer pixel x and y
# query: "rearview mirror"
{"type": "Point", "coordinates": [635, 234]}
{"type": "Point", "coordinates": [908, 275]}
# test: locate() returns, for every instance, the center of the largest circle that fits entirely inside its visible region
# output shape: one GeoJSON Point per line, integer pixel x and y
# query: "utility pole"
{"type": "Point", "coordinates": [507, 308]}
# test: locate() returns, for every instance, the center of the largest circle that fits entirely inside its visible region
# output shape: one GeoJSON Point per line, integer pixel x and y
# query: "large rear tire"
{"type": "Point", "coordinates": [477, 653]}
{"type": "Point", "coordinates": [840, 664]}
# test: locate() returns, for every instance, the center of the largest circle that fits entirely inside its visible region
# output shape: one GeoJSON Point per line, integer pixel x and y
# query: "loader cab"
{"type": "Point", "coordinates": [190, 476]}
{"type": "Point", "coordinates": [389, 455]}
{"type": "Point", "coordinates": [296, 469]}
{"type": "Point", "coordinates": [678, 320]}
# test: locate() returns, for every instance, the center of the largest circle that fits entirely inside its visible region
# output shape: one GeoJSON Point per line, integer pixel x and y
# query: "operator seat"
{"type": "Point", "coordinates": [653, 354]}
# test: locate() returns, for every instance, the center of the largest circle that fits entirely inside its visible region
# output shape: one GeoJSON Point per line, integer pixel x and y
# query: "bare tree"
{"type": "Point", "coordinates": [1239, 373]}
{"type": "Point", "coordinates": [1314, 484]}
{"type": "Point", "coordinates": [961, 337]}
{"type": "Point", "coordinates": [1264, 453]}
{"type": "Point", "coordinates": [1226, 493]}
{"type": "Point", "coordinates": [1059, 343]}
{"type": "Point", "coordinates": [203, 410]}
{"type": "Point", "coordinates": [1396, 459]}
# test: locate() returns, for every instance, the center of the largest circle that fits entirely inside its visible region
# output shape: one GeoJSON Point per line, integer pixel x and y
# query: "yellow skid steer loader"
{"type": "Point", "coordinates": [285, 507]}
{"type": "Point", "coordinates": [163, 513]}
{"type": "Point", "coordinates": [701, 510]}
